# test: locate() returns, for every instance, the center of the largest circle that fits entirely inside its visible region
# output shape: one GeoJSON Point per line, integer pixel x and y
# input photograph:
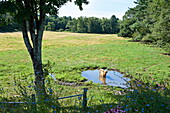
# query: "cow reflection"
{"type": "Point", "coordinates": [103, 80]}
{"type": "Point", "coordinates": [102, 76]}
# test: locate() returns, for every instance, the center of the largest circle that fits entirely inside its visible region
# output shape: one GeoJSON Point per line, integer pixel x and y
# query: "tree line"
{"type": "Point", "coordinates": [80, 25]}
{"type": "Point", "coordinates": [149, 21]}
{"type": "Point", "coordinates": [83, 24]}
{"type": "Point", "coordinates": [7, 24]}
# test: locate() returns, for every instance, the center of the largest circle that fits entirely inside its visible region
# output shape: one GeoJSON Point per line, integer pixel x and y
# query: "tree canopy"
{"type": "Point", "coordinates": [149, 21]}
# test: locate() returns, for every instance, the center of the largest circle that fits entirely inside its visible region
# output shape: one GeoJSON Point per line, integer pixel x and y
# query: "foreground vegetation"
{"type": "Point", "coordinates": [73, 53]}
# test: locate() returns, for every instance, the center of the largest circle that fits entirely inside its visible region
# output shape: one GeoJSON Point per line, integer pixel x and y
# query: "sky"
{"type": "Point", "coordinates": [98, 8]}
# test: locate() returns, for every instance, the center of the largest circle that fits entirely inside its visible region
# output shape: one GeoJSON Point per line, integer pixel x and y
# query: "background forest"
{"type": "Point", "coordinates": [149, 21]}
{"type": "Point", "coordinates": [80, 25]}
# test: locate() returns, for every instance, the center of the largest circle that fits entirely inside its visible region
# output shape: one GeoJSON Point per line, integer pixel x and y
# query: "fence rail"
{"type": "Point", "coordinates": [70, 96]}
{"type": "Point", "coordinates": [84, 100]}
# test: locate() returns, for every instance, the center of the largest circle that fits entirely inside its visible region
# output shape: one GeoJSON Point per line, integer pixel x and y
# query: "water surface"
{"type": "Point", "coordinates": [113, 78]}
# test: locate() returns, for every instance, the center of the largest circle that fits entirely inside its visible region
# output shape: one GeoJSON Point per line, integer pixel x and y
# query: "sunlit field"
{"type": "Point", "coordinates": [72, 53]}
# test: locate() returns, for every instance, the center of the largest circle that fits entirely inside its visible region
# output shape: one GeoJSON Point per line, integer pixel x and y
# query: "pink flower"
{"type": "Point", "coordinates": [115, 111]}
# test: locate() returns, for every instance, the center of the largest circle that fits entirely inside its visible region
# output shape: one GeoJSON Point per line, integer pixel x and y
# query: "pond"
{"type": "Point", "coordinates": [113, 78]}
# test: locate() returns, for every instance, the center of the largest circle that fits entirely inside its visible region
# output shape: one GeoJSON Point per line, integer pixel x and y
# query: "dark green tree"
{"type": "Point", "coordinates": [125, 29]}
{"type": "Point", "coordinates": [94, 25]}
{"type": "Point", "coordinates": [114, 24]}
{"type": "Point", "coordinates": [5, 26]}
{"type": "Point", "coordinates": [72, 25]}
{"type": "Point", "coordinates": [81, 25]}
{"type": "Point", "coordinates": [148, 22]}
{"type": "Point", "coordinates": [161, 23]}
{"type": "Point", "coordinates": [55, 23]}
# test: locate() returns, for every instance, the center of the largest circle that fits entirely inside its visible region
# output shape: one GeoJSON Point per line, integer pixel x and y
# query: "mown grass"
{"type": "Point", "coordinates": [73, 53]}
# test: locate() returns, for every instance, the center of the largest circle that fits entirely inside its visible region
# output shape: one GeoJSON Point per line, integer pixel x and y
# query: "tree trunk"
{"type": "Point", "coordinates": [38, 69]}
{"type": "Point", "coordinates": [35, 54]}
{"type": "Point", "coordinates": [39, 78]}
{"type": "Point", "coordinates": [35, 25]}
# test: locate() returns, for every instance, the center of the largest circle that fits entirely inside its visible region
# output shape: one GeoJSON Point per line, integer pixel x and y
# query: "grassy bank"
{"type": "Point", "coordinates": [74, 52]}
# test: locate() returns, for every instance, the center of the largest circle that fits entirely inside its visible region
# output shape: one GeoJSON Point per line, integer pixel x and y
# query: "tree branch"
{"type": "Point", "coordinates": [26, 39]}
{"type": "Point", "coordinates": [32, 30]}
{"type": "Point", "coordinates": [40, 28]}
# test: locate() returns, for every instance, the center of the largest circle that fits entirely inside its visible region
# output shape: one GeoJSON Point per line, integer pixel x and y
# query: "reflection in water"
{"type": "Point", "coordinates": [102, 76]}
{"type": "Point", "coordinates": [112, 78]}
{"type": "Point", "coordinates": [103, 80]}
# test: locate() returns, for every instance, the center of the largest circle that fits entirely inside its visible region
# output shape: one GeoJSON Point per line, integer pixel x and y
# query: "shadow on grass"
{"type": "Point", "coordinates": [142, 99]}
{"type": "Point", "coordinates": [138, 98]}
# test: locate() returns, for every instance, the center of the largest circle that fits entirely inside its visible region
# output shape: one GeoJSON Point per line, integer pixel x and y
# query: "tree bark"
{"type": "Point", "coordinates": [35, 51]}
{"type": "Point", "coordinates": [37, 62]}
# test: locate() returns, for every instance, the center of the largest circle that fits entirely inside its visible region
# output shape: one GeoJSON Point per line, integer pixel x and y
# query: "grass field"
{"type": "Point", "coordinates": [75, 52]}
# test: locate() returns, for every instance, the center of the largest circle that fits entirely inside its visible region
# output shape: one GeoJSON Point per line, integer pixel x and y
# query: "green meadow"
{"type": "Point", "coordinates": [73, 53]}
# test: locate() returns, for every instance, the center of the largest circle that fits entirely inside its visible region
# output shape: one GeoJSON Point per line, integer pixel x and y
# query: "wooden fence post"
{"type": "Point", "coordinates": [33, 104]}
{"type": "Point", "coordinates": [85, 99]}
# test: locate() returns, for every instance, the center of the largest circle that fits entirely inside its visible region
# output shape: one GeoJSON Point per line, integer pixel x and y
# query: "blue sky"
{"type": "Point", "coordinates": [98, 8]}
